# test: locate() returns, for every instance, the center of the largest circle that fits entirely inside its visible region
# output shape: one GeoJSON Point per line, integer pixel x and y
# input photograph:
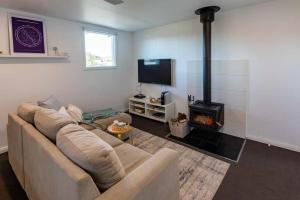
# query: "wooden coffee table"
{"type": "Point", "coordinates": [119, 133]}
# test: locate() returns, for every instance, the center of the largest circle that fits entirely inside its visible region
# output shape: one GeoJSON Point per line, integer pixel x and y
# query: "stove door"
{"type": "Point", "coordinates": [203, 119]}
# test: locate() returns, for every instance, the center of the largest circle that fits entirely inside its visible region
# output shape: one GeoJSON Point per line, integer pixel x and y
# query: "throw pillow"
{"type": "Point", "coordinates": [75, 112]}
{"type": "Point", "coordinates": [92, 154]}
{"type": "Point", "coordinates": [49, 122]}
{"type": "Point", "coordinates": [64, 111]}
{"type": "Point", "coordinates": [50, 103]}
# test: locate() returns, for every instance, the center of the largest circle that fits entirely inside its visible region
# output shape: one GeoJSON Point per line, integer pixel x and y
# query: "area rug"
{"type": "Point", "coordinates": [199, 175]}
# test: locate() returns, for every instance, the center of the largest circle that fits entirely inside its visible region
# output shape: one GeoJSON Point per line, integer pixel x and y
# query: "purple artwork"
{"type": "Point", "coordinates": [27, 35]}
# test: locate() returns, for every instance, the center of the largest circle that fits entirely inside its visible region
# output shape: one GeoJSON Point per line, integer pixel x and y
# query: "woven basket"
{"type": "Point", "coordinates": [178, 129]}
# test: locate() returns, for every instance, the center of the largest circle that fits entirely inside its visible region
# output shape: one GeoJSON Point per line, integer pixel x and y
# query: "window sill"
{"type": "Point", "coordinates": [100, 68]}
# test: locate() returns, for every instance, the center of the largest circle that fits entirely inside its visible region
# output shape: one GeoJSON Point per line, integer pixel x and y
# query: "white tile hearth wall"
{"type": "Point", "coordinates": [230, 85]}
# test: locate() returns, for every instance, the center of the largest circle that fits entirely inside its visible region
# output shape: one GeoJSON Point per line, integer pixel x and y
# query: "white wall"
{"type": "Point", "coordinates": [33, 79]}
{"type": "Point", "coordinates": [268, 36]}
{"type": "Point", "coordinates": [183, 42]}
{"type": "Point", "coordinates": [265, 35]}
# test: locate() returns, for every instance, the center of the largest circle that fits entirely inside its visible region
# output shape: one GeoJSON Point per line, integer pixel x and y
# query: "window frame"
{"type": "Point", "coordinates": [115, 49]}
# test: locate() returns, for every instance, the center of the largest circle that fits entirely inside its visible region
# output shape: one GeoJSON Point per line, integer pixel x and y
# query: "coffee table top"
{"type": "Point", "coordinates": [119, 130]}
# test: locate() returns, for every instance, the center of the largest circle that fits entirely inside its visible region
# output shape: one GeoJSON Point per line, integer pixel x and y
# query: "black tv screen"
{"type": "Point", "coordinates": [156, 71]}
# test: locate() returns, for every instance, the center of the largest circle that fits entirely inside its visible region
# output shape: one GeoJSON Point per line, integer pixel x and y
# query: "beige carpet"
{"type": "Point", "coordinates": [200, 175]}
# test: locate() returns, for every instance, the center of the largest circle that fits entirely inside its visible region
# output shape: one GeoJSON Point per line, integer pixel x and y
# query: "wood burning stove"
{"type": "Point", "coordinates": [207, 114]}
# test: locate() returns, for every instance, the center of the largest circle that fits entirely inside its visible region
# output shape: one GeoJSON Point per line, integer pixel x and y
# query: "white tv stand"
{"type": "Point", "coordinates": [158, 112]}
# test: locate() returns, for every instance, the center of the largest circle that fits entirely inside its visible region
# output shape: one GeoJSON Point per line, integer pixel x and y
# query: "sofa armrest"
{"type": "Point", "coordinates": [157, 178]}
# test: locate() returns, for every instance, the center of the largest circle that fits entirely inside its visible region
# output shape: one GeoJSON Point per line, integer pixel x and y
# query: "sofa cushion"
{"type": "Point", "coordinates": [92, 154]}
{"type": "Point", "coordinates": [27, 111]}
{"type": "Point", "coordinates": [49, 121]}
{"type": "Point", "coordinates": [131, 157]}
{"type": "Point", "coordinates": [111, 140]}
{"type": "Point", "coordinates": [50, 103]}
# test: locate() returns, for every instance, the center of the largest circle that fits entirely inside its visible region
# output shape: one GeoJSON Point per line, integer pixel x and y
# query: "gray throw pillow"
{"type": "Point", "coordinates": [50, 103]}
{"type": "Point", "coordinates": [92, 154]}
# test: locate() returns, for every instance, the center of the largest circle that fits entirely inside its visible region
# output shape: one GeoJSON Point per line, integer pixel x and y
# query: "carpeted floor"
{"type": "Point", "coordinates": [200, 175]}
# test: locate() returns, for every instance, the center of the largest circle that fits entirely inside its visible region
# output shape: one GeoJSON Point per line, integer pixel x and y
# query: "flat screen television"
{"type": "Point", "coordinates": [155, 71]}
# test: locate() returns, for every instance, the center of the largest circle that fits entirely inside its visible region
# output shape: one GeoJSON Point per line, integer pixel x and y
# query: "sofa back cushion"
{"type": "Point", "coordinates": [27, 111]}
{"type": "Point", "coordinates": [49, 122]}
{"type": "Point", "coordinates": [92, 154]}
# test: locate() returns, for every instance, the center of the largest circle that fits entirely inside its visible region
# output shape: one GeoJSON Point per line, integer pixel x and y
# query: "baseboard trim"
{"type": "Point", "coordinates": [274, 143]}
{"type": "Point", "coordinates": [3, 149]}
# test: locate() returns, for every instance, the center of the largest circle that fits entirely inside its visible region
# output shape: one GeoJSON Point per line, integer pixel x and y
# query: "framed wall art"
{"type": "Point", "coordinates": [27, 36]}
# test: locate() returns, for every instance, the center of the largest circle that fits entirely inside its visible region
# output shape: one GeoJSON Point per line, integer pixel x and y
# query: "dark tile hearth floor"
{"type": "Point", "coordinates": [221, 144]}
{"type": "Point", "coordinates": [263, 173]}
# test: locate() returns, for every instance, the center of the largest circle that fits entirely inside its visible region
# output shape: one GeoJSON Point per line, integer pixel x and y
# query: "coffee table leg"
{"type": "Point", "coordinates": [131, 137]}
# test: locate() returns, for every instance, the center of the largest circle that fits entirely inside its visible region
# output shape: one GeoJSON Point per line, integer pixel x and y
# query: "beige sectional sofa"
{"type": "Point", "coordinates": [46, 173]}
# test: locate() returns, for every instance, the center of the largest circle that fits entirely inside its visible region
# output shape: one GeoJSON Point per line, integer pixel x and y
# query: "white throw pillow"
{"type": "Point", "coordinates": [75, 112]}
{"type": "Point", "coordinates": [64, 111]}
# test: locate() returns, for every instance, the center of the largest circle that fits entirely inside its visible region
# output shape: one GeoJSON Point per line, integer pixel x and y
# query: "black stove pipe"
{"type": "Point", "coordinates": [207, 16]}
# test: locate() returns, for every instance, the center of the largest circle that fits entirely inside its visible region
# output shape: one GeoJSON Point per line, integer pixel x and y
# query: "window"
{"type": "Point", "coordinates": [100, 49]}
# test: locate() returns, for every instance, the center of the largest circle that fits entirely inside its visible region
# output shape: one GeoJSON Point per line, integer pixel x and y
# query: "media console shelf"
{"type": "Point", "coordinates": [158, 112]}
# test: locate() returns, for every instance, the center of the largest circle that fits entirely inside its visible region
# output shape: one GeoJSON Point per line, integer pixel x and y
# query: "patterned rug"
{"type": "Point", "coordinates": [200, 175]}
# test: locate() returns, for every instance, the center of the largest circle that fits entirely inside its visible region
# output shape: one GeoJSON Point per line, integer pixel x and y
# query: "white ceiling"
{"type": "Point", "coordinates": [132, 15]}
